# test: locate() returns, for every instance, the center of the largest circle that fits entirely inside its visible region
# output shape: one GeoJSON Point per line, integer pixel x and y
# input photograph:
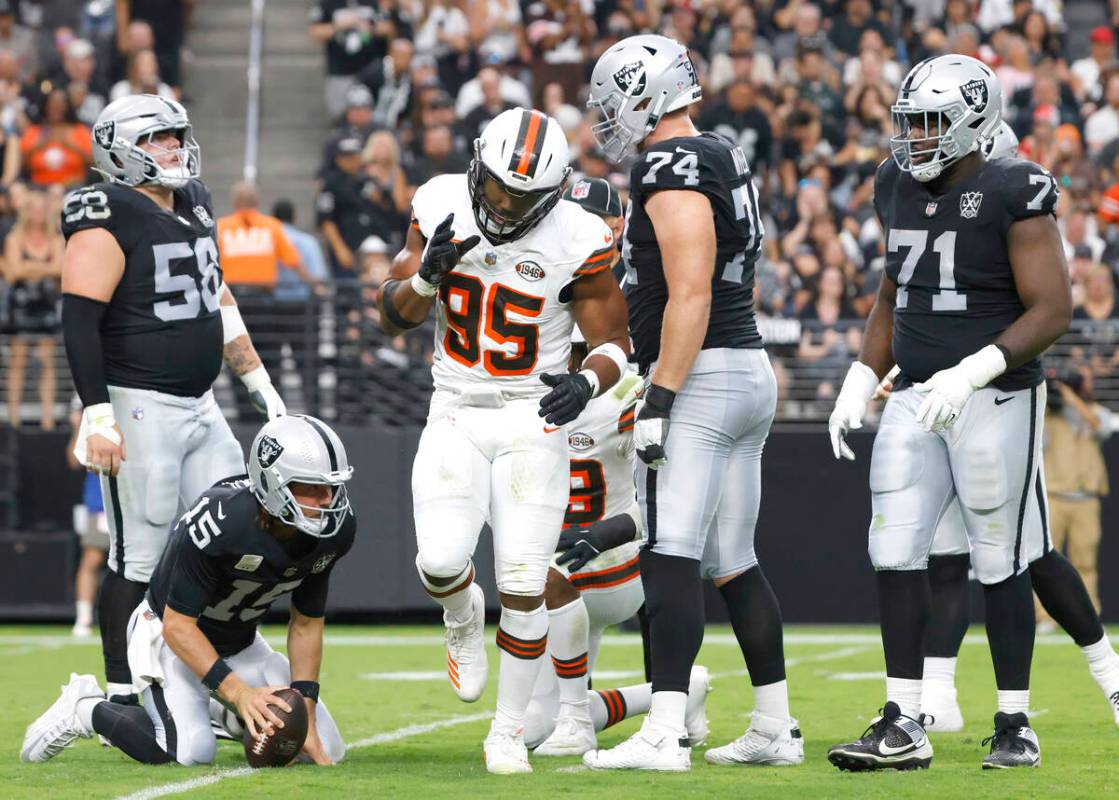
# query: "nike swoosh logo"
{"type": "Point", "coordinates": [1000, 400]}
{"type": "Point", "coordinates": [221, 514]}
{"type": "Point", "coordinates": [886, 750]}
{"type": "Point", "coordinates": [685, 152]}
{"type": "Point", "coordinates": [552, 429]}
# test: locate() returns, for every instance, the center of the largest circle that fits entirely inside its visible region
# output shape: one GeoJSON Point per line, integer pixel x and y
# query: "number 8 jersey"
{"type": "Point", "coordinates": [503, 314]}
{"type": "Point", "coordinates": [162, 330]}
{"type": "Point", "coordinates": [948, 255]}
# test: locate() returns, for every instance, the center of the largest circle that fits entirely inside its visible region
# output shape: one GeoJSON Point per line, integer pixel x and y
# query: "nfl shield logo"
{"type": "Point", "coordinates": [969, 204]}
{"type": "Point", "coordinates": [930, 209]}
{"type": "Point", "coordinates": [581, 190]}
{"type": "Point", "coordinates": [491, 258]}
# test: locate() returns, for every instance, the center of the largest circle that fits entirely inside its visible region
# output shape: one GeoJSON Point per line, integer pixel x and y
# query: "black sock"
{"type": "Point", "coordinates": [674, 605]}
{"type": "Point", "coordinates": [646, 651]}
{"type": "Point", "coordinates": [950, 607]}
{"type": "Point", "coordinates": [130, 729]}
{"type": "Point", "coordinates": [756, 619]}
{"type": "Point", "coordinates": [1010, 631]}
{"type": "Point", "coordinates": [1062, 592]}
{"type": "Point", "coordinates": [903, 601]}
{"type": "Point", "coordinates": [115, 604]}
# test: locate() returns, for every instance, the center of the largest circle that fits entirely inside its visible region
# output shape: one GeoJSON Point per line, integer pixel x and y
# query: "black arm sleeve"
{"type": "Point", "coordinates": [81, 331]}
{"type": "Point", "coordinates": [612, 532]}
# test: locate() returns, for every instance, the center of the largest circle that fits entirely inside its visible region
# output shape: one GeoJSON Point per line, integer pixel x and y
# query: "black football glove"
{"type": "Point", "coordinates": [442, 254]}
{"type": "Point", "coordinates": [650, 429]}
{"type": "Point", "coordinates": [569, 396]}
{"type": "Point", "coordinates": [575, 548]}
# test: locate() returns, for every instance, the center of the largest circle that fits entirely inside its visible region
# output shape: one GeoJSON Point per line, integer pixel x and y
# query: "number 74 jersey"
{"type": "Point", "coordinates": [503, 315]}
{"type": "Point", "coordinates": [948, 255]}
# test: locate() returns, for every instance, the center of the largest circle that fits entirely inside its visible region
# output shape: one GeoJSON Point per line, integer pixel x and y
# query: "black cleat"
{"type": "Point", "coordinates": [1013, 744]}
{"type": "Point", "coordinates": [893, 741]}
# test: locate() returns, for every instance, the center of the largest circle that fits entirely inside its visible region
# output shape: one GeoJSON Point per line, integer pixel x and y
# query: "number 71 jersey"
{"type": "Point", "coordinates": [503, 314]}
{"type": "Point", "coordinates": [948, 255]}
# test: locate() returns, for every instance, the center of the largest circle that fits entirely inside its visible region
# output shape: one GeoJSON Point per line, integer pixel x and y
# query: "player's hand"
{"type": "Point", "coordinates": [948, 390]}
{"type": "Point", "coordinates": [252, 707]}
{"type": "Point", "coordinates": [442, 253]}
{"type": "Point", "coordinates": [312, 745]}
{"type": "Point", "coordinates": [575, 548]}
{"type": "Point", "coordinates": [886, 385]}
{"type": "Point", "coordinates": [569, 396]}
{"type": "Point", "coordinates": [650, 429]}
{"type": "Point", "coordinates": [850, 406]}
{"type": "Point", "coordinates": [104, 456]}
{"type": "Point", "coordinates": [267, 401]}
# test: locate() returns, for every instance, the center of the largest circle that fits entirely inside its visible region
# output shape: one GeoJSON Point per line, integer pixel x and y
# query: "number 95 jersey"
{"type": "Point", "coordinates": [948, 255]}
{"type": "Point", "coordinates": [162, 330]}
{"type": "Point", "coordinates": [503, 314]}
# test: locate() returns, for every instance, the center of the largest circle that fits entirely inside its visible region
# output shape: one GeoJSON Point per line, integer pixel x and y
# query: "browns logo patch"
{"type": "Point", "coordinates": [580, 441]}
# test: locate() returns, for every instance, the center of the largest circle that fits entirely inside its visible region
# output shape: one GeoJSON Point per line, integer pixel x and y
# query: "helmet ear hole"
{"type": "Point", "coordinates": [644, 104]}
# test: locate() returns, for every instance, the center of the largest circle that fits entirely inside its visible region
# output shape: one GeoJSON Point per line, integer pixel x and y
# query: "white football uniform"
{"type": "Point", "coordinates": [503, 319]}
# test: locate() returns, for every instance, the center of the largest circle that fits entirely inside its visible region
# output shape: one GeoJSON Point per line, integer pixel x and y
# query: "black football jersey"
{"type": "Point", "coordinates": [948, 255]}
{"type": "Point", "coordinates": [221, 567]}
{"type": "Point", "coordinates": [163, 328]}
{"type": "Point", "coordinates": [710, 164]}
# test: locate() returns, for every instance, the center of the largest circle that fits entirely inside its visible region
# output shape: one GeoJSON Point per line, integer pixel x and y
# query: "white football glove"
{"type": "Point", "coordinates": [263, 395]}
{"type": "Point", "coordinates": [850, 406]}
{"type": "Point", "coordinates": [650, 430]}
{"type": "Point", "coordinates": [950, 388]}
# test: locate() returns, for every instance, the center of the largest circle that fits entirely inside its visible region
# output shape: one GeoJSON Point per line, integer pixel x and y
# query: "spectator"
{"type": "Point", "coordinates": [343, 218]}
{"type": "Point", "coordinates": [353, 38]}
{"type": "Point", "coordinates": [489, 82]}
{"type": "Point", "coordinates": [803, 148]}
{"type": "Point", "coordinates": [59, 150]}
{"type": "Point", "coordinates": [817, 86]}
{"type": "Point", "coordinates": [142, 78]}
{"type": "Point", "coordinates": [847, 30]}
{"type": "Point", "coordinates": [389, 81]}
{"type": "Point", "coordinates": [1088, 72]}
{"type": "Point", "coordinates": [33, 271]}
{"type": "Point", "coordinates": [1044, 43]}
{"type": "Point", "coordinates": [438, 156]}
{"type": "Point", "coordinates": [168, 24]}
{"type": "Point", "coordinates": [1102, 127]}
{"type": "Point", "coordinates": [806, 26]}
{"type": "Point", "coordinates": [18, 39]}
{"type": "Point", "coordinates": [512, 91]}
{"type": "Point", "coordinates": [1016, 72]}
{"type": "Point", "coordinates": [1077, 227]}
{"type": "Point", "coordinates": [386, 188]}
{"type": "Point", "coordinates": [445, 36]}
{"type": "Point", "coordinates": [357, 124]}
{"type": "Point", "coordinates": [1099, 296]}
{"type": "Point", "coordinates": [738, 117]}
{"type": "Point", "coordinates": [495, 25]}
{"type": "Point", "coordinates": [92, 527]}
{"type": "Point", "coordinates": [557, 36]}
{"type": "Point", "coordinates": [78, 76]}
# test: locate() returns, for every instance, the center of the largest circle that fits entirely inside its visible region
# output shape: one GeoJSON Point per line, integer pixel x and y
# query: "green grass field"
{"type": "Point", "coordinates": [412, 737]}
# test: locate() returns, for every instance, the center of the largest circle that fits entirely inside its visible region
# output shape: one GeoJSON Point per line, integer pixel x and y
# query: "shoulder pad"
{"type": "Point", "coordinates": [98, 205]}
{"type": "Point", "coordinates": [1027, 189]}
{"type": "Point", "coordinates": [222, 517]}
{"type": "Point", "coordinates": [587, 239]}
{"type": "Point", "coordinates": [435, 199]}
{"type": "Point", "coordinates": [677, 165]}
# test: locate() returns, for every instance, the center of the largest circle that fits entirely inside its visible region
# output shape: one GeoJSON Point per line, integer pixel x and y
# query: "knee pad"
{"type": "Point", "coordinates": [982, 482]}
{"type": "Point", "coordinates": [441, 563]}
{"type": "Point", "coordinates": [898, 525]}
{"type": "Point", "coordinates": [276, 670]}
{"type": "Point", "coordinates": [992, 563]}
{"type": "Point", "coordinates": [196, 747]}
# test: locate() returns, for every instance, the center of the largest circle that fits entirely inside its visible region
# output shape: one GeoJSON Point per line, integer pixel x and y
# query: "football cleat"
{"type": "Point", "coordinates": [505, 753]}
{"type": "Point", "coordinates": [467, 666]}
{"type": "Point", "coordinates": [59, 726]}
{"type": "Point", "coordinates": [572, 736]}
{"type": "Point", "coordinates": [651, 748]}
{"type": "Point", "coordinates": [1013, 744]}
{"type": "Point", "coordinates": [80, 631]}
{"type": "Point", "coordinates": [940, 710]}
{"type": "Point", "coordinates": [892, 741]}
{"type": "Point", "coordinates": [695, 715]}
{"type": "Point", "coordinates": [1114, 701]}
{"type": "Point", "coordinates": [769, 741]}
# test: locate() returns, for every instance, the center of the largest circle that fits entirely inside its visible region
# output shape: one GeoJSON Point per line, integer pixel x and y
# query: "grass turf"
{"type": "Point", "coordinates": [835, 685]}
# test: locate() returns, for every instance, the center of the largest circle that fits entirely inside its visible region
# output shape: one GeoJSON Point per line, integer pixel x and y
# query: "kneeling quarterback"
{"type": "Point", "coordinates": [245, 543]}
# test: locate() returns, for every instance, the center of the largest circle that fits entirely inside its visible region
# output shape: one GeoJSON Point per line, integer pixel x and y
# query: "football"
{"type": "Point", "coordinates": [284, 744]}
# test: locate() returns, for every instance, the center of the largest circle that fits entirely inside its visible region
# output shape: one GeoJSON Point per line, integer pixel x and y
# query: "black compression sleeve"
{"type": "Point", "coordinates": [81, 331]}
{"type": "Point", "coordinates": [612, 532]}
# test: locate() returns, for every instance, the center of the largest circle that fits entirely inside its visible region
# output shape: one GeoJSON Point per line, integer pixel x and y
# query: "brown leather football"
{"type": "Point", "coordinates": [284, 744]}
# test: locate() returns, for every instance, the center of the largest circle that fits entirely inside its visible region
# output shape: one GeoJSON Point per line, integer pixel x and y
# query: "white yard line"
{"type": "Point", "coordinates": [240, 772]}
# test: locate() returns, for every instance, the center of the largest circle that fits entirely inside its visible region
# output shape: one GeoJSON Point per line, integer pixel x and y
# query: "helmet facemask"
{"type": "Point", "coordinates": [615, 139]}
{"type": "Point", "coordinates": [525, 209]}
{"type": "Point", "coordinates": [188, 153]}
{"type": "Point", "coordinates": [320, 522]}
{"type": "Point", "coordinates": [926, 157]}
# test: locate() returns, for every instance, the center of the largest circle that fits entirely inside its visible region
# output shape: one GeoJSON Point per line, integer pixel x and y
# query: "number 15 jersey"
{"type": "Point", "coordinates": [162, 330]}
{"type": "Point", "coordinates": [503, 314]}
{"type": "Point", "coordinates": [948, 255]}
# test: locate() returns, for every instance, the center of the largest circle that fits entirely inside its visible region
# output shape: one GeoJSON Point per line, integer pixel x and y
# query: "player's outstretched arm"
{"type": "Point", "coordinates": [244, 361]}
{"type": "Point", "coordinates": [1037, 259]}
{"type": "Point", "coordinates": [305, 637]}
{"type": "Point", "coordinates": [92, 266]}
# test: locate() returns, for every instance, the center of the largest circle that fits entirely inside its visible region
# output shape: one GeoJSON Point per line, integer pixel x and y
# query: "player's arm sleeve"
{"type": "Point", "coordinates": [1029, 191]}
{"type": "Point", "coordinates": [81, 336]}
{"type": "Point", "coordinates": [194, 577]}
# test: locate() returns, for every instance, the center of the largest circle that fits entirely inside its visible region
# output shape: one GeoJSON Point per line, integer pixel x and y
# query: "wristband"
{"type": "Point", "coordinates": [256, 379]}
{"type": "Point", "coordinates": [422, 287]}
{"type": "Point", "coordinates": [615, 354]}
{"type": "Point", "coordinates": [390, 309]}
{"type": "Point", "coordinates": [659, 399]}
{"type": "Point", "coordinates": [232, 325]}
{"type": "Point", "coordinates": [592, 379]}
{"type": "Point", "coordinates": [309, 689]}
{"type": "Point", "coordinates": [218, 673]}
{"type": "Point", "coordinates": [99, 421]}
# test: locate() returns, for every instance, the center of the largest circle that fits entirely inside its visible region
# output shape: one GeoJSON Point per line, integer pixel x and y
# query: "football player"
{"type": "Point", "coordinates": [692, 235]}
{"type": "Point", "coordinates": [976, 287]}
{"type": "Point", "coordinates": [245, 543]}
{"type": "Point", "coordinates": [146, 321]}
{"type": "Point", "coordinates": [509, 267]}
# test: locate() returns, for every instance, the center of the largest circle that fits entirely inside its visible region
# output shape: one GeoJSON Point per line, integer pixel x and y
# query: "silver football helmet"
{"type": "Point", "coordinates": [125, 123]}
{"type": "Point", "coordinates": [1003, 143]}
{"type": "Point", "coordinates": [945, 109]}
{"type": "Point", "coordinates": [634, 84]}
{"type": "Point", "coordinates": [300, 448]}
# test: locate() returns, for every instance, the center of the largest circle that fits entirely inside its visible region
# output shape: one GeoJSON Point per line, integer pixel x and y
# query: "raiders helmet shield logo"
{"type": "Point", "coordinates": [104, 134]}
{"type": "Point", "coordinates": [581, 190]}
{"type": "Point", "coordinates": [631, 78]}
{"type": "Point", "coordinates": [969, 204]}
{"type": "Point", "coordinates": [975, 95]}
{"type": "Point", "coordinates": [268, 451]}
{"type": "Point", "coordinates": [204, 216]}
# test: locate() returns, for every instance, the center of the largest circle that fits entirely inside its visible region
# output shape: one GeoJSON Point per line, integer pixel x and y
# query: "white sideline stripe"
{"type": "Point", "coordinates": [602, 675]}
{"type": "Point", "coordinates": [856, 676]}
{"type": "Point", "coordinates": [240, 772]}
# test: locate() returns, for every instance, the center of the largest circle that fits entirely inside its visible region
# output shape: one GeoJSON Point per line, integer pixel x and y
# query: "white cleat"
{"type": "Point", "coordinates": [651, 748]}
{"type": "Point", "coordinates": [467, 666]}
{"type": "Point", "coordinates": [572, 736]}
{"type": "Point", "coordinates": [941, 710]}
{"type": "Point", "coordinates": [80, 631]}
{"type": "Point", "coordinates": [59, 725]}
{"type": "Point", "coordinates": [505, 753]}
{"type": "Point", "coordinates": [769, 741]}
{"type": "Point", "coordinates": [695, 715]}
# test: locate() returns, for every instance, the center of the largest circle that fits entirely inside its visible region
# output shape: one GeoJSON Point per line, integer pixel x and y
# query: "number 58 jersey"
{"type": "Point", "coordinates": [948, 255]}
{"type": "Point", "coordinates": [503, 314]}
{"type": "Point", "coordinates": [162, 330]}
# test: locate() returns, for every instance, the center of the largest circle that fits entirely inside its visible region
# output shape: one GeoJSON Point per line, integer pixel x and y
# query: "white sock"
{"type": "Point", "coordinates": [940, 673]}
{"type": "Point", "coordinates": [773, 699]}
{"type": "Point", "coordinates": [114, 689]}
{"type": "Point", "coordinates": [610, 706]}
{"type": "Point", "coordinates": [1103, 662]}
{"type": "Point", "coordinates": [453, 596]}
{"type": "Point", "coordinates": [85, 712]}
{"type": "Point", "coordinates": [522, 638]}
{"type": "Point", "coordinates": [83, 613]}
{"type": "Point", "coordinates": [568, 630]}
{"type": "Point", "coordinates": [906, 692]}
{"type": "Point", "coordinates": [1014, 701]}
{"type": "Point", "coordinates": [668, 709]}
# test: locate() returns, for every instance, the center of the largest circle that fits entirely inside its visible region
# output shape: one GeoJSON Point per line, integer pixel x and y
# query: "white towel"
{"type": "Point", "coordinates": [144, 645]}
